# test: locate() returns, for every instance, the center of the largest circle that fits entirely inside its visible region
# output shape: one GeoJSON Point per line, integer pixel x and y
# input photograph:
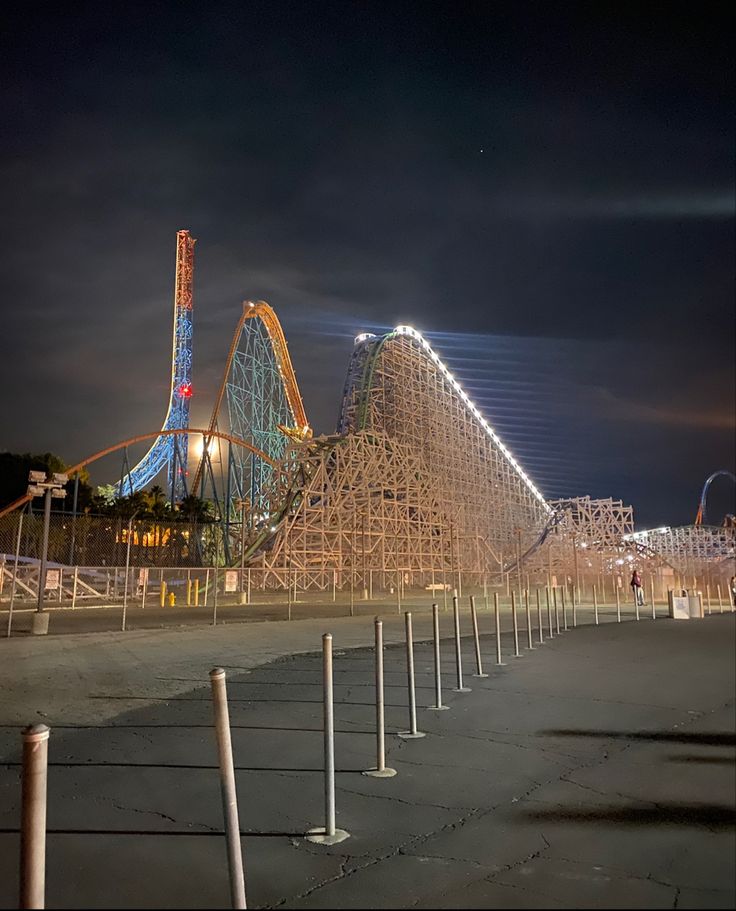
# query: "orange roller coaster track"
{"type": "Point", "coordinates": [261, 310]}
{"type": "Point", "coordinates": [206, 434]}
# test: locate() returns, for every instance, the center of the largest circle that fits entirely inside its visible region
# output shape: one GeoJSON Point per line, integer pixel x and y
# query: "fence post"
{"type": "Point", "coordinates": [707, 598]}
{"type": "Point", "coordinates": [539, 617]}
{"type": "Point", "coordinates": [557, 610]}
{"type": "Point", "coordinates": [214, 601]}
{"type": "Point", "coordinates": [529, 640]}
{"type": "Point", "coordinates": [497, 621]}
{"type": "Point", "coordinates": [74, 587]}
{"type": "Point", "coordinates": [618, 604]}
{"type": "Point", "coordinates": [549, 611]}
{"type": "Point", "coordinates": [15, 575]}
{"type": "Point", "coordinates": [478, 661]}
{"type": "Point", "coordinates": [458, 652]}
{"type": "Point", "coordinates": [329, 835]}
{"type": "Point", "coordinates": [380, 771]}
{"type": "Point", "coordinates": [412, 733]}
{"type": "Point", "coordinates": [145, 587]}
{"type": "Point", "coordinates": [564, 608]}
{"type": "Point", "coordinates": [720, 599]}
{"type": "Point", "coordinates": [227, 788]}
{"type": "Point", "coordinates": [595, 606]}
{"type": "Point", "coordinates": [33, 817]}
{"type": "Point", "coordinates": [437, 707]}
{"type": "Point", "coordinates": [574, 608]}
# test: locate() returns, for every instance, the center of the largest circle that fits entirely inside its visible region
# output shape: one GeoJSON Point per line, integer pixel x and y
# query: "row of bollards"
{"type": "Point", "coordinates": [36, 737]}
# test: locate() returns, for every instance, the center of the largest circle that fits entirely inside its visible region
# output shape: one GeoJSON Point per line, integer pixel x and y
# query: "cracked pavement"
{"type": "Point", "coordinates": [596, 771]}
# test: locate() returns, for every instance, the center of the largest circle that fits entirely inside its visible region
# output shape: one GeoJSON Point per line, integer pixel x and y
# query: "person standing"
{"type": "Point", "coordinates": [636, 588]}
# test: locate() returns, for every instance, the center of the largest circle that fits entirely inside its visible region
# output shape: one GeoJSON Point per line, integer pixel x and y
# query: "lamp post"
{"type": "Point", "coordinates": [49, 486]}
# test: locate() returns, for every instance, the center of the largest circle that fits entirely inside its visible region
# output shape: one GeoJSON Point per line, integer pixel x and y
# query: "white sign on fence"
{"type": "Point", "coordinates": [231, 580]}
{"type": "Point", "coordinates": [52, 578]}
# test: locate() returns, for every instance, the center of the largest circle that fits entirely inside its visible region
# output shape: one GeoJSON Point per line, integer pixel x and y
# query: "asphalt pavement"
{"type": "Point", "coordinates": [595, 771]}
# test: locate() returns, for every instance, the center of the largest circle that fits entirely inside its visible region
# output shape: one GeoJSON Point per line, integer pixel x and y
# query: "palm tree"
{"type": "Point", "coordinates": [197, 512]}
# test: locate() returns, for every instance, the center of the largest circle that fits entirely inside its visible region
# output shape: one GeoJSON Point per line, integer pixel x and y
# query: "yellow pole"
{"type": "Point", "coordinates": [196, 592]}
{"type": "Point", "coordinates": [189, 592]}
{"type": "Point", "coordinates": [163, 593]}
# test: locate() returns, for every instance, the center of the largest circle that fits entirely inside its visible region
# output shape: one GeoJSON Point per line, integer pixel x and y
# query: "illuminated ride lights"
{"type": "Point", "coordinates": [417, 336]}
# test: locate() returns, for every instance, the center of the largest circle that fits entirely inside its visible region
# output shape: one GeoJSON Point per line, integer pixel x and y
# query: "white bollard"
{"type": "Point", "coordinates": [413, 733]}
{"type": "Point", "coordinates": [329, 835]}
{"type": "Point", "coordinates": [478, 660]}
{"type": "Point", "coordinates": [33, 817]}
{"type": "Point", "coordinates": [529, 640]}
{"type": "Point", "coordinates": [497, 621]}
{"type": "Point", "coordinates": [539, 618]}
{"type": "Point", "coordinates": [460, 688]}
{"type": "Point", "coordinates": [438, 706]}
{"type": "Point", "coordinates": [380, 771]}
{"type": "Point", "coordinates": [515, 622]}
{"type": "Point", "coordinates": [228, 789]}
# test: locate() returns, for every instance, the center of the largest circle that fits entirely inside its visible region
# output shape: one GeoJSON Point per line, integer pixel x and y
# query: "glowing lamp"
{"type": "Point", "coordinates": [185, 390]}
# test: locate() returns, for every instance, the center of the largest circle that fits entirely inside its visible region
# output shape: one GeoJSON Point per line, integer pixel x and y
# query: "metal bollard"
{"type": "Point", "coordinates": [163, 593]}
{"type": "Point", "coordinates": [412, 733]}
{"type": "Point", "coordinates": [636, 602]}
{"type": "Point", "coordinates": [33, 816]}
{"type": "Point", "coordinates": [549, 611]}
{"type": "Point", "coordinates": [654, 609]}
{"type": "Point", "coordinates": [557, 611]}
{"type": "Point", "coordinates": [530, 643]}
{"type": "Point", "coordinates": [574, 609]}
{"type": "Point", "coordinates": [497, 621]}
{"type": "Point", "coordinates": [515, 622]}
{"type": "Point", "coordinates": [595, 606]}
{"type": "Point", "coordinates": [476, 637]}
{"type": "Point", "coordinates": [720, 599]}
{"type": "Point", "coordinates": [227, 788]}
{"type": "Point", "coordinates": [380, 770]}
{"type": "Point", "coordinates": [196, 592]}
{"type": "Point", "coordinates": [618, 604]}
{"type": "Point", "coordinates": [458, 652]}
{"type": "Point", "coordinates": [437, 707]}
{"type": "Point", "coordinates": [329, 835]}
{"type": "Point", "coordinates": [539, 618]}
{"type": "Point", "coordinates": [707, 599]}
{"type": "Point", "coordinates": [564, 608]}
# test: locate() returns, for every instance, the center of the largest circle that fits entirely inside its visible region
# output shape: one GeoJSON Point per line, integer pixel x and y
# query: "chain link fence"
{"type": "Point", "coordinates": [89, 540]}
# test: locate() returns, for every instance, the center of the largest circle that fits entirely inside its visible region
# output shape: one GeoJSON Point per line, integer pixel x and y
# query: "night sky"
{"type": "Point", "coordinates": [545, 190]}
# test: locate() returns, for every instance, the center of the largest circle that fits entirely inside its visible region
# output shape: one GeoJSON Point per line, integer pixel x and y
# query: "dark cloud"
{"type": "Point", "coordinates": [544, 189]}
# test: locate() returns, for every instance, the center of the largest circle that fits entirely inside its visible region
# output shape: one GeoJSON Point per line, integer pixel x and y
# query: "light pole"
{"type": "Point", "coordinates": [49, 486]}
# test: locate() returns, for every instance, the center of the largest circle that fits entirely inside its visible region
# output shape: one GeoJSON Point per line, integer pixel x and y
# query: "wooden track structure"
{"type": "Point", "coordinates": [415, 489]}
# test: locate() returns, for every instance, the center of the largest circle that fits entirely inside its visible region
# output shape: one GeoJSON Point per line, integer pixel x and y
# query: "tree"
{"type": "Point", "coordinates": [14, 468]}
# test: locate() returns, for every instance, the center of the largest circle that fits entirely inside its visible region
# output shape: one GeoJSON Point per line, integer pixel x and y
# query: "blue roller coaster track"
{"type": "Point", "coordinates": [171, 451]}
